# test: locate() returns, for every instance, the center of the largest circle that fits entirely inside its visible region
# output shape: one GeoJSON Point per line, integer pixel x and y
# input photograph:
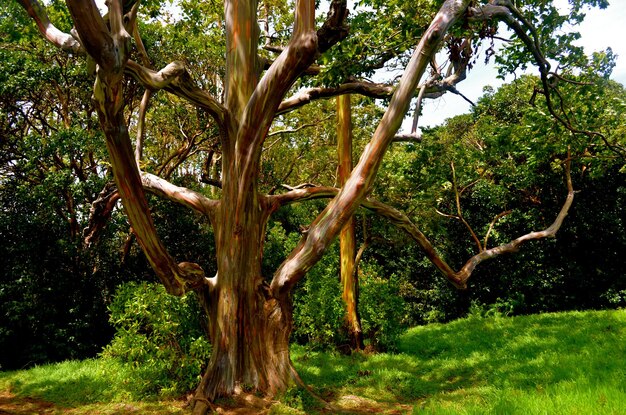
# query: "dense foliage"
{"type": "Point", "coordinates": [160, 337]}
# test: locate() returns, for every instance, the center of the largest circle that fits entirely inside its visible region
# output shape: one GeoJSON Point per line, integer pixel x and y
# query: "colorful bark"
{"type": "Point", "coordinates": [347, 237]}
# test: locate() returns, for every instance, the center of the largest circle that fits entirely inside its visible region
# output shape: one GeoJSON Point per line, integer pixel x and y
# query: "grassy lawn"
{"type": "Point", "coordinates": [564, 363]}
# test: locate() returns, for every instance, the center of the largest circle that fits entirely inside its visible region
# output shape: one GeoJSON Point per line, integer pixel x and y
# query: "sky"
{"type": "Point", "coordinates": [600, 29]}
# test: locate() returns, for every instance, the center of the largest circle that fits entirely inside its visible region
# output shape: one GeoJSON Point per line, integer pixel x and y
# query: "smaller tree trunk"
{"type": "Point", "coordinates": [347, 238]}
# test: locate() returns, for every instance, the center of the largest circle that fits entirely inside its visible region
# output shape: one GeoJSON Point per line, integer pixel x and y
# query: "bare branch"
{"type": "Point", "coordinates": [100, 213]}
{"type": "Point", "coordinates": [181, 195]}
{"type": "Point", "coordinates": [457, 197]}
{"type": "Point", "coordinates": [95, 35]}
{"type": "Point", "coordinates": [141, 124]}
{"type": "Point", "coordinates": [514, 245]}
{"type": "Point", "coordinates": [156, 80]}
{"type": "Point", "coordinates": [299, 128]}
{"type": "Point", "coordinates": [60, 39]}
{"type": "Point", "coordinates": [334, 28]}
{"type": "Point", "coordinates": [328, 224]}
{"type": "Point", "coordinates": [506, 11]}
{"type": "Point", "coordinates": [432, 89]}
{"type": "Point", "coordinates": [418, 108]}
{"type": "Point", "coordinates": [407, 138]}
{"type": "Point", "coordinates": [175, 79]}
{"type": "Point", "coordinates": [400, 220]}
{"type": "Point", "coordinates": [492, 224]}
{"type": "Point", "coordinates": [361, 251]}
{"type": "Point", "coordinates": [369, 89]}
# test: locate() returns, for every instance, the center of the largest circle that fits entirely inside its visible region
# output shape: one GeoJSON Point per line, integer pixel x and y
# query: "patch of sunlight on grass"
{"type": "Point", "coordinates": [74, 383]}
{"type": "Point", "coordinates": [280, 409]}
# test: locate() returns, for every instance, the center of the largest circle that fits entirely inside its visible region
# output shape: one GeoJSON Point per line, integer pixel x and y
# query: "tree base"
{"type": "Point", "coordinates": [240, 403]}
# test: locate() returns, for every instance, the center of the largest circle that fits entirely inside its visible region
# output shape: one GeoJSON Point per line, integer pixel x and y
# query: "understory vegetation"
{"type": "Point", "coordinates": [486, 363]}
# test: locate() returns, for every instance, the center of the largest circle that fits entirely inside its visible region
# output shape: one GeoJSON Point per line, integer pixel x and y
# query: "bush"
{"type": "Point", "coordinates": [382, 309]}
{"type": "Point", "coordinates": [318, 309]}
{"type": "Point", "coordinates": [160, 336]}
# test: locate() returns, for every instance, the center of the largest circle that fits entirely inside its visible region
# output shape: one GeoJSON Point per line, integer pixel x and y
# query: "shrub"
{"type": "Point", "coordinates": [160, 336]}
{"type": "Point", "coordinates": [318, 308]}
{"type": "Point", "coordinates": [382, 309]}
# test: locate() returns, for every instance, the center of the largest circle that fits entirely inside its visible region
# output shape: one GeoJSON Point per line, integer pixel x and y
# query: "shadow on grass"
{"type": "Point", "coordinates": [469, 358]}
{"type": "Point", "coordinates": [491, 364]}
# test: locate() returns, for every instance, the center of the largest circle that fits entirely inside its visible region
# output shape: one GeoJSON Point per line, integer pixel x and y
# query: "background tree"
{"type": "Point", "coordinates": [249, 315]}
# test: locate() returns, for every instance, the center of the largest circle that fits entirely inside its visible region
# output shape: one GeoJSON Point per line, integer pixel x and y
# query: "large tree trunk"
{"type": "Point", "coordinates": [250, 337]}
{"type": "Point", "coordinates": [249, 328]}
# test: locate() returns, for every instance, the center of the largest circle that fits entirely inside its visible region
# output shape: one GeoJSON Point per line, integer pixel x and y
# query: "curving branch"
{"type": "Point", "coordinates": [514, 245]}
{"type": "Point", "coordinates": [60, 39]}
{"type": "Point", "coordinates": [508, 13]}
{"type": "Point", "coordinates": [102, 208]}
{"type": "Point", "coordinates": [328, 224]}
{"type": "Point", "coordinates": [433, 88]}
{"type": "Point", "coordinates": [181, 195]}
{"type": "Point", "coordinates": [492, 224]}
{"type": "Point", "coordinates": [334, 29]}
{"type": "Point", "coordinates": [459, 211]}
{"type": "Point", "coordinates": [296, 129]}
{"type": "Point", "coordinates": [175, 78]}
{"type": "Point", "coordinates": [156, 80]}
{"type": "Point", "coordinates": [403, 222]}
{"type": "Point", "coordinates": [369, 89]}
{"type": "Point", "coordinates": [141, 124]}
{"type": "Point", "coordinates": [100, 213]}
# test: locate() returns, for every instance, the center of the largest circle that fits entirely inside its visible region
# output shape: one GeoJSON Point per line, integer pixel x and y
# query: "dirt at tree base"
{"type": "Point", "coordinates": [244, 404]}
{"type": "Point", "coordinates": [14, 405]}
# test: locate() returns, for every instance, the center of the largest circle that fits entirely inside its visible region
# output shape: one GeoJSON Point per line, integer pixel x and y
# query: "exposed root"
{"type": "Point", "coordinates": [202, 406]}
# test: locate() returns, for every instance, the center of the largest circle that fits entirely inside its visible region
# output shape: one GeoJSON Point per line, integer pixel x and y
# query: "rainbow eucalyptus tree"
{"type": "Point", "coordinates": [249, 314]}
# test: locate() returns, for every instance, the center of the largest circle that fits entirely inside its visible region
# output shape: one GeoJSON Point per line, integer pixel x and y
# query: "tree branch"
{"type": "Point", "coordinates": [181, 195]}
{"type": "Point", "coordinates": [506, 11]}
{"type": "Point", "coordinates": [407, 138]}
{"type": "Point", "coordinates": [492, 224]}
{"type": "Point", "coordinates": [141, 124]}
{"type": "Point", "coordinates": [369, 89]}
{"type": "Point", "coordinates": [432, 89]}
{"type": "Point", "coordinates": [175, 79]}
{"type": "Point", "coordinates": [457, 198]}
{"type": "Point", "coordinates": [328, 224]}
{"type": "Point", "coordinates": [298, 128]}
{"type": "Point", "coordinates": [58, 38]}
{"type": "Point", "coordinates": [400, 220]}
{"type": "Point", "coordinates": [100, 213]}
{"type": "Point", "coordinates": [514, 245]}
{"type": "Point", "coordinates": [261, 108]}
{"type": "Point", "coordinates": [334, 28]}
{"type": "Point", "coordinates": [94, 34]}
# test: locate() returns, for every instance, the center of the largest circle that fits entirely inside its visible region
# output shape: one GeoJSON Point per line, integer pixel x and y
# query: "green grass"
{"type": "Point", "coordinates": [86, 384]}
{"type": "Point", "coordinates": [563, 363]}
